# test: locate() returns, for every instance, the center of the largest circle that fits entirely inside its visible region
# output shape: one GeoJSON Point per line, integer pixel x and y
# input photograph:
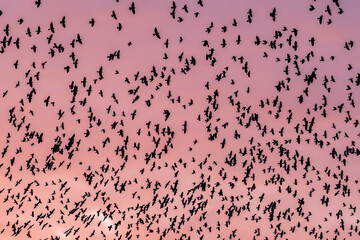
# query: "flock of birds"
{"type": "Point", "coordinates": [144, 155]}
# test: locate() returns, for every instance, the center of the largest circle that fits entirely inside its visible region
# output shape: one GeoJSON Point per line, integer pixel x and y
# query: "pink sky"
{"type": "Point", "coordinates": [147, 51]}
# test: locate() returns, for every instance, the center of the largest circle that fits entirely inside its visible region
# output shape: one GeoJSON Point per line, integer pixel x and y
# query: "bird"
{"type": "Point", "coordinates": [273, 14]}
{"type": "Point", "coordinates": [156, 33]}
{"type": "Point", "coordinates": [38, 3]}
{"type": "Point", "coordinates": [132, 7]}
{"type": "Point", "coordinates": [92, 22]}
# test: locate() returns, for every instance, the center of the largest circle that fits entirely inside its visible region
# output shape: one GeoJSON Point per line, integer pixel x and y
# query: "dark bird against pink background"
{"type": "Point", "coordinates": [179, 119]}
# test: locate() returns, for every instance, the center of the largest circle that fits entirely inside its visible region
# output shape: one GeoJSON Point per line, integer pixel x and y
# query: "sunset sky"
{"type": "Point", "coordinates": [49, 201]}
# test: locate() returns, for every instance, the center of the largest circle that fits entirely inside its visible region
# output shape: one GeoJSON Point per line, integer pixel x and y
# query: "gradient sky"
{"type": "Point", "coordinates": [194, 148]}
